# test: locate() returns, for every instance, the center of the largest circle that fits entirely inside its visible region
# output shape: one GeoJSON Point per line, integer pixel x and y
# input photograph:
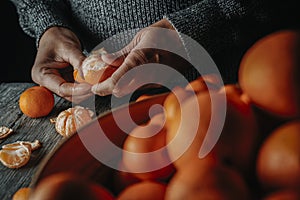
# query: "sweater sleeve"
{"type": "Point", "coordinates": [227, 28]}
{"type": "Point", "coordinates": [36, 16]}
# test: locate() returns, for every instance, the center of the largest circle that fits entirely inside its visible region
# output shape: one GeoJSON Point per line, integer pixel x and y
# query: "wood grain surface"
{"type": "Point", "coordinates": [29, 129]}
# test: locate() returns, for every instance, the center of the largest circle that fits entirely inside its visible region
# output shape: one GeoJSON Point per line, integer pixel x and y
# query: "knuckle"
{"type": "Point", "coordinates": [61, 90]}
{"type": "Point", "coordinates": [114, 79]}
{"type": "Point", "coordinates": [37, 74]}
{"type": "Point", "coordinates": [139, 56]}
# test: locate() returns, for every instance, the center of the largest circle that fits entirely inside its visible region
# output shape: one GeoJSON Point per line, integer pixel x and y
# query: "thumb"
{"type": "Point", "coordinates": [75, 57]}
{"type": "Point", "coordinates": [116, 59]}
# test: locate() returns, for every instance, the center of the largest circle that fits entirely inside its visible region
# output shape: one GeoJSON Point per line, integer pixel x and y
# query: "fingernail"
{"type": "Point", "coordinates": [94, 88]}
{"type": "Point", "coordinates": [117, 92]}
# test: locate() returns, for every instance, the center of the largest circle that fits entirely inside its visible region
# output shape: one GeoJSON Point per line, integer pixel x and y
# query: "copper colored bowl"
{"type": "Point", "coordinates": [71, 155]}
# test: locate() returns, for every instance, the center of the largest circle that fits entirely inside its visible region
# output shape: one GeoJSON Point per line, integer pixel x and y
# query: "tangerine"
{"type": "Point", "coordinates": [22, 194]}
{"type": "Point", "coordinates": [271, 67]}
{"type": "Point", "coordinates": [94, 69]}
{"type": "Point", "coordinates": [144, 190]}
{"type": "Point", "coordinates": [69, 185]}
{"type": "Point", "coordinates": [142, 141]}
{"type": "Point", "coordinates": [36, 101]}
{"type": "Point", "coordinates": [278, 161]}
{"type": "Point", "coordinates": [205, 179]}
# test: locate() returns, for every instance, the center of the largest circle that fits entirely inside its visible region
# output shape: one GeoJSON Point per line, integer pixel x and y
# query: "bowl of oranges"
{"type": "Point", "coordinates": [206, 141]}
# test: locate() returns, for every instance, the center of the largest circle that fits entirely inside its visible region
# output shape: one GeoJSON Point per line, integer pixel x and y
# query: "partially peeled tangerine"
{"type": "Point", "coordinates": [94, 69]}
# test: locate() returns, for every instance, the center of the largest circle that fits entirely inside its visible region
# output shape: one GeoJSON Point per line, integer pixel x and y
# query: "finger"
{"type": "Point", "coordinates": [104, 88]}
{"type": "Point", "coordinates": [79, 99]}
{"type": "Point", "coordinates": [114, 59]}
{"type": "Point", "coordinates": [52, 80]}
{"type": "Point", "coordinates": [75, 92]}
{"type": "Point", "coordinates": [75, 57]}
{"type": "Point", "coordinates": [120, 91]}
{"type": "Point", "coordinates": [117, 58]}
{"type": "Point", "coordinates": [74, 89]}
{"type": "Point", "coordinates": [135, 58]}
{"type": "Point", "coordinates": [71, 91]}
{"type": "Point", "coordinates": [108, 87]}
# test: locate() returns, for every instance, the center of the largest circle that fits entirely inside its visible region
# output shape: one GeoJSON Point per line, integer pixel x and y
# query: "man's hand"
{"type": "Point", "coordinates": [58, 49]}
{"type": "Point", "coordinates": [158, 43]}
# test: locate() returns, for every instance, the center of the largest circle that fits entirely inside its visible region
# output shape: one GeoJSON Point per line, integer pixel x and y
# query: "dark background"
{"type": "Point", "coordinates": [17, 49]}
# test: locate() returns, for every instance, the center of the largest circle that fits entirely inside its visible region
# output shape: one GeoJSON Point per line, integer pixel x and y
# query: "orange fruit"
{"type": "Point", "coordinates": [68, 185]}
{"type": "Point", "coordinates": [94, 76]}
{"type": "Point", "coordinates": [203, 83]}
{"type": "Point", "coordinates": [278, 162]}
{"type": "Point", "coordinates": [22, 194]}
{"type": "Point", "coordinates": [174, 101]}
{"type": "Point", "coordinates": [147, 190]}
{"type": "Point", "coordinates": [94, 69]}
{"type": "Point", "coordinates": [192, 127]}
{"type": "Point", "coordinates": [122, 180]}
{"type": "Point", "coordinates": [202, 180]}
{"type": "Point", "coordinates": [148, 139]}
{"type": "Point", "coordinates": [36, 101]}
{"type": "Point", "coordinates": [143, 97]}
{"type": "Point", "coordinates": [286, 194]}
{"type": "Point", "coordinates": [269, 73]}
{"type": "Point", "coordinates": [100, 191]}
{"type": "Point", "coordinates": [77, 77]}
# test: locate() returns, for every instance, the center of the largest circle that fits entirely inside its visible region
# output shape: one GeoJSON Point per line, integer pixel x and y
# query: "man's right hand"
{"type": "Point", "coordinates": [58, 49]}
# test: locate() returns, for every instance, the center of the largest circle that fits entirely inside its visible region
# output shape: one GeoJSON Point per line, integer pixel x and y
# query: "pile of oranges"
{"type": "Point", "coordinates": [256, 155]}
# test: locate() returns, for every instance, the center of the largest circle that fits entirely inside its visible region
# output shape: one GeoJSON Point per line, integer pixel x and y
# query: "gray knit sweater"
{"type": "Point", "coordinates": [225, 28]}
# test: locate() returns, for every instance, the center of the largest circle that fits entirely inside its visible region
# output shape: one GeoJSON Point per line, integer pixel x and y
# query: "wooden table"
{"type": "Point", "coordinates": [29, 129]}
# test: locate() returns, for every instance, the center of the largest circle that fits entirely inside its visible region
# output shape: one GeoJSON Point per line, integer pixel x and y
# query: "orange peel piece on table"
{"type": "Point", "coordinates": [17, 154]}
{"type": "Point", "coordinates": [5, 131]}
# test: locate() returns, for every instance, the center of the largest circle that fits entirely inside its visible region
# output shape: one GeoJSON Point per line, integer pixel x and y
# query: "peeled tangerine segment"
{"type": "Point", "coordinates": [5, 131]}
{"type": "Point", "coordinates": [15, 155]}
